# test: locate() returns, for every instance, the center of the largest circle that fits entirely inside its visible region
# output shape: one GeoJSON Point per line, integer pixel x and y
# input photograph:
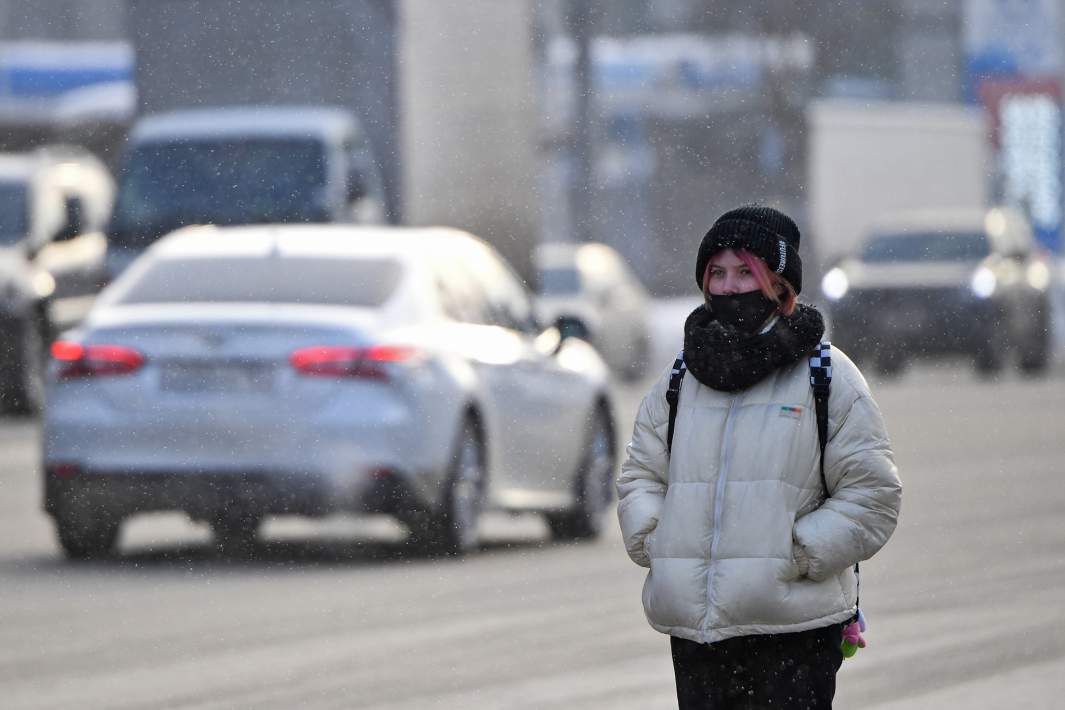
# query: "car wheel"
{"type": "Point", "coordinates": [453, 528]}
{"type": "Point", "coordinates": [236, 532]}
{"type": "Point", "coordinates": [1035, 356]}
{"type": "Point", "coordinates": [85, 537]}
{"type": "Point", "coordinates": [594, 485]}
{"type": "Point", "coordinates": [988, 360]}
{"type": "Point", "coordinates": [24, 389]}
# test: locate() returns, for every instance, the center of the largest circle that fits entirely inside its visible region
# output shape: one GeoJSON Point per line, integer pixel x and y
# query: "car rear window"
{"type": "Point", "coordinates": [167, 185]}
{"type": "Point", "coordinates": [291, 280]}
{"type": "Point", "coordinates": [934, 246]}
{"type": "Point", "coordinates": [559, 281]}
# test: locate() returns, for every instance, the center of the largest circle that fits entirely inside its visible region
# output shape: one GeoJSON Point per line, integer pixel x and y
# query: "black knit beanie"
{"type": "Point", "coordinates": [763, 231]}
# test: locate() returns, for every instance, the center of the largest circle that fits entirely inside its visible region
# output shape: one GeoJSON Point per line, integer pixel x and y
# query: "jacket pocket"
{"type": "Point", "coordinates": [800, 563]}
{"type": "Point", "coordinates": [794, 567]}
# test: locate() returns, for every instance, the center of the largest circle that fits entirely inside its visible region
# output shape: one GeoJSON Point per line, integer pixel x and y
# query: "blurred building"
{"type": "Point", "coordinates": [66, 74]}
{"type": "Point", "coordinates": [484, 117]}
{"type": "Point", "coordinates": [442, 88]}
{"type": "Point", "coordinates": [700, 106]}
{"type": "Point", "coordinates": [470, 120]}
{"type": "Point", "coordinates": [80, 20]}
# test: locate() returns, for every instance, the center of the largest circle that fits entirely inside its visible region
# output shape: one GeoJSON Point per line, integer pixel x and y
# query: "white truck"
{"type": "Point", "coordinates": [868, 159]}
{"type": "Point", "coordinates": [242, 165]}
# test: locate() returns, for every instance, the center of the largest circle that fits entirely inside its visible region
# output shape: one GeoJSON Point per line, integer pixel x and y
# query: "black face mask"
{"type": "Point", "coordinates": [743, 311]}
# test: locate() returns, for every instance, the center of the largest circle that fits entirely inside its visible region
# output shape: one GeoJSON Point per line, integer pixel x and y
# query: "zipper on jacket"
{"type": "Point", "coordinates": [719, 502]}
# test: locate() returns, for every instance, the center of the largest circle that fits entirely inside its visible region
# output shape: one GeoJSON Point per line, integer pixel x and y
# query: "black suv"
{"type": "Point", "coordinates": [930, 283]}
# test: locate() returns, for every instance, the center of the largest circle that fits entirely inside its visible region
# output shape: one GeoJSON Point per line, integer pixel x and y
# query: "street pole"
{"type": "Point", "coordinates": [580, 20]}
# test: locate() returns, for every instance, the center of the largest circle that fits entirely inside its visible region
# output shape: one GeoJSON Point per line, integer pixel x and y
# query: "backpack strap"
{"type": "Point", "coordinates": [673, 396]}
{"type": "Point", "coordinates": [821, 382]}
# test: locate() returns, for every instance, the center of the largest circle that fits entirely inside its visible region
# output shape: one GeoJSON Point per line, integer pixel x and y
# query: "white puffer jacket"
{"type": "Point", "coordinates": [734, 526]}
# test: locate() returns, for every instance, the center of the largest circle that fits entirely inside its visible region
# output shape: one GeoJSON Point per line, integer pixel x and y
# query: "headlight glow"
{"type": "Point", "coordinates": [983, 282]}
{"type": "Point", "coordinates": [835, 284]}
{"type": "Point", "coordinates": [43, 284]}
{"type": "Point", "coordinates": [1038, 275]}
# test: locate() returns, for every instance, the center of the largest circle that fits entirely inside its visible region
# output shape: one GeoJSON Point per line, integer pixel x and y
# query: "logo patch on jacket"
{"type": "Point", "coordinates": [791, 412]}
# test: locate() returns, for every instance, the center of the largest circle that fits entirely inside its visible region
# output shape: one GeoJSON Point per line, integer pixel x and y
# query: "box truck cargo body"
{"type": "Point", "coordinates": [868, 159]}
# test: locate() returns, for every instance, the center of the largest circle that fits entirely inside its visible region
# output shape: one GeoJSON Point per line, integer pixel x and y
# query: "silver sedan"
{"type": "Point", "coordinates": [235, 373]}
{"type": "Point", "coordinates": [592, 283]}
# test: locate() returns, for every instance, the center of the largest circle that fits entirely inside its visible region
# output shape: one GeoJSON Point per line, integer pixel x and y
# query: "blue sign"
{"type": "Point", "coordinates": [32, 70]}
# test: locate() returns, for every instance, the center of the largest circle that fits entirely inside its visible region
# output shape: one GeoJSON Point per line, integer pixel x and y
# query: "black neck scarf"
{"type": "Point", "coordinates": [727, 359]}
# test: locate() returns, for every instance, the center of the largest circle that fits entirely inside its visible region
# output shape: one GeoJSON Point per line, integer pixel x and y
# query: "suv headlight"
{"type": "Point", "coordinates": [43, 284]}
{"type": "Point", "coordinates": [1038, 275]}
{"type": "Point", "coordinates": [983, 283]}
{"type": "Point", "coordinates": [835, 284]}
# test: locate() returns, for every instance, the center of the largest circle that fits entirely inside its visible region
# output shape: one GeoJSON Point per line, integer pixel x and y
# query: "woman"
{"type": "Point", "coordinates": [751, 560]}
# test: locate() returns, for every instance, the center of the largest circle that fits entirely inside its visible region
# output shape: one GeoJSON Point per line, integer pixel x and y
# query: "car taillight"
{"type": "Point", "coordinates": [77, 360]}
{"type": "Point", "coordinates": [342, 361]}
{"type": "Point", "coordinates": [65, 471]}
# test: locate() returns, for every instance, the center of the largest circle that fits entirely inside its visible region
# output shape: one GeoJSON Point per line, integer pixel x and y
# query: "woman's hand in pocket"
{"type": "Point", "coordinates": [799, 560]}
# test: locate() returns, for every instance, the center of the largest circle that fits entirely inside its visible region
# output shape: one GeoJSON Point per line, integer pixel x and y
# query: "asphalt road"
{"type": "Point", "coordinates": [965, 603]}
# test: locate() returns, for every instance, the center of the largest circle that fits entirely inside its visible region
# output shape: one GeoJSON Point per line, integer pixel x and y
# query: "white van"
{"type": "Point", "coordinates": [242, 165]}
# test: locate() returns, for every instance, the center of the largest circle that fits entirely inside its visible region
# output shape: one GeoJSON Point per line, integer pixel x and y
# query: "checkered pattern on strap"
{"type": "Point", "coordinates": [821, 365]}
{"type": "Point", "coordinates": [678, 367]}
{"type": "Point", "coordinates": [821, 381]}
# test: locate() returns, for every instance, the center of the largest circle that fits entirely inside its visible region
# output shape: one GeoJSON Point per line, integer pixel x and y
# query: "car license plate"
{"type": "Point", "coordinates": [908, 320]}
{"type": "Point", "coordinates": [222, 378]}
{"type": "Point", "coordinates": [915, 317]}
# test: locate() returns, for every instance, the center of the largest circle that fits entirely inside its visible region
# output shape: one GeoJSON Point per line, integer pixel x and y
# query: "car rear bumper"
{"type": "Point", "coordinates": [312, 466]}
{"type": "Point", "coordinates": [203, 494]}
{"type": "Point", "coordinates": [940, 321]}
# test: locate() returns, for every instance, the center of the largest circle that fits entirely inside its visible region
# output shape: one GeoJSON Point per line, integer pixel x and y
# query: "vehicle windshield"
{"type": "Point", "coordinates": [559, 281]}
{"type": "Point", "coordinates": [302, 280]}
{"type": "Point", "coordinates": [230, 181]}
{"type": "Point", "coordinates": [13, 225]}
{"type": "Point", "coordinates": [933, 246]}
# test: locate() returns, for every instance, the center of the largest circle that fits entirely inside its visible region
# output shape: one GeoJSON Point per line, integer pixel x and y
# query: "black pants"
{"type": "Point", "coordinates": [794, 671]}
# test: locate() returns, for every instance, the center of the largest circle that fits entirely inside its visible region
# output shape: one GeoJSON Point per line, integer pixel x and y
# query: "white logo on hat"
{"type": "Point", "coordinates": [783, 256]}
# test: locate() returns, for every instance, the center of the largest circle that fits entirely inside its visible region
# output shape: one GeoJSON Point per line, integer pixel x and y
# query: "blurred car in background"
{"type": "Point", "coordinates": [234, 373]}
{"type": "Point", "coordinates": [592, 284]}
{"type": "Point", "coordinates": [53, 204]}
{"type": "Point", "coordinates": [242, 165]}
{"type": "Point", "coordinates": [939, 282]}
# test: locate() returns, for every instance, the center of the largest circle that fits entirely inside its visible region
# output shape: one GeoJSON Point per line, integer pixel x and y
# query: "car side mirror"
{"type": "Point", "coordinates": [74, 222]}
{"type": "Point", "coordinates": [549, 341]}
{"type": "Point", "coordinates": [572, 327]}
